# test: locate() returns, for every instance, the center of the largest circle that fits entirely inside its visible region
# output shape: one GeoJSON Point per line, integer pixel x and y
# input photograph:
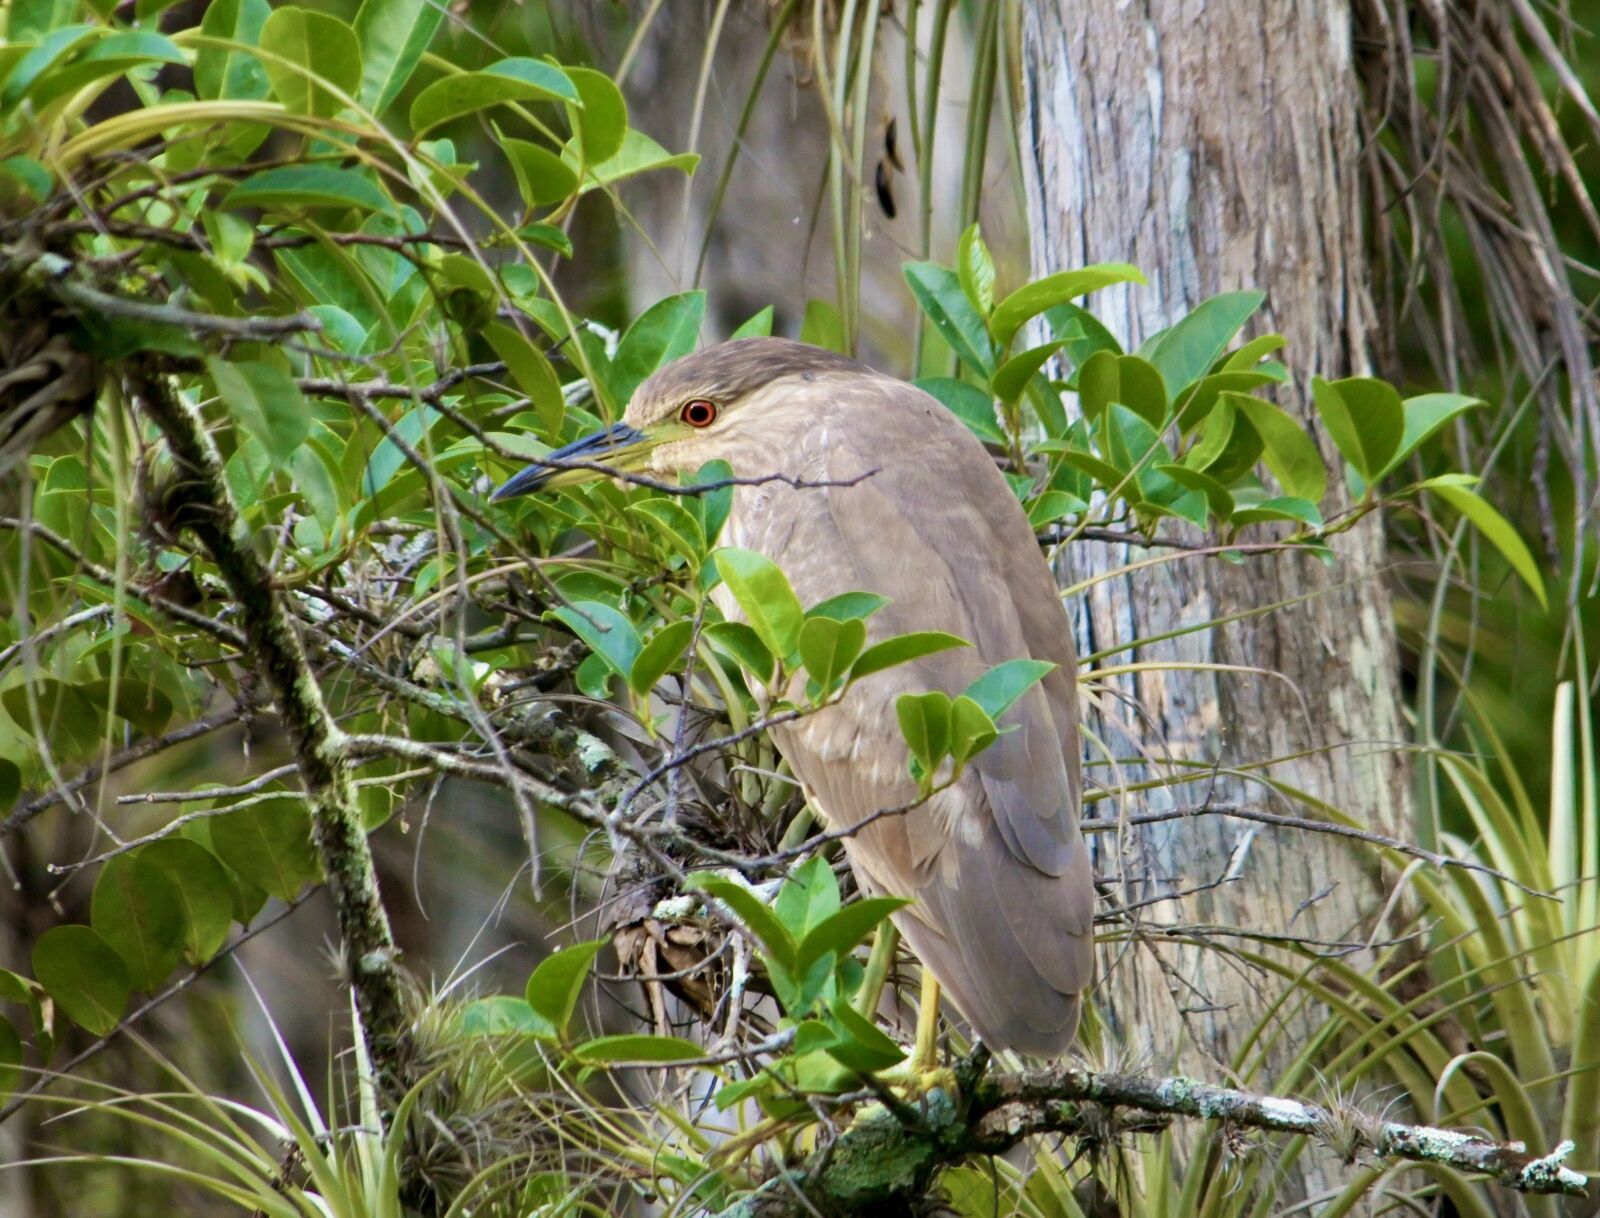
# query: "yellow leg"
{"type": "Point", "coordinates": [925, 1056]}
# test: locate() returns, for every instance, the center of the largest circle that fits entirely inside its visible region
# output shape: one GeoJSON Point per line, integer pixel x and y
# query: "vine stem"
{"type": "Point", "coordinates": [198, 500]}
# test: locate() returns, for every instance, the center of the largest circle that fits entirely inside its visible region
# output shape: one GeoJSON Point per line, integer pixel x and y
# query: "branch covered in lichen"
{"type": "Point", "coordinates": [198, 500]}
{"type": "Point", "coordinates": [889, 1159]}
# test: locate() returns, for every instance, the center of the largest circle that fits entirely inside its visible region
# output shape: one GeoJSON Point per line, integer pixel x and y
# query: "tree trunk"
{"type": "Point", "coordinates": [1213, 143]}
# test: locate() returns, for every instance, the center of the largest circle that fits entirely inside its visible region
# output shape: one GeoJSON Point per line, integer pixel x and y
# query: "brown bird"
{"type": "Point", "coordinates": [919, 513]}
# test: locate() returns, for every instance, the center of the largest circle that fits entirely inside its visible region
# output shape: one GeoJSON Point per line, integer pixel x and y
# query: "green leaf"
{"type": "Point", "coordinates": [547, 235]}
{"type": "Point", "coordinates": [711, 508]}
{"type": "Point", "coordinates": [749, 909]}
{"type": "Point", "coordinates": [809, 897]}
{"type": "Point", "coordinates": [828, 648]}
{"type": "Point", "coordinates": [557, 983]}
{"type": "Point", "coordinates": [68, 718]}
{"type": "Point", "coordinates": [672, 523]}
{"type": "Point", "coordinates": [764, 594]}
{"type": "Point", "coordinates": [501, 1015]}
{"type": "Point", "coordinates": [294, 188]}
{"type": "Point", "coordinates": [1185, 350]}
{"type": "Point", "coordinates": [659, 654]}
{"type": "Point", "coordinates": [758, 326]}
{"type": "Point", "coordinates": [606, 631]}
{"type": "Point", "coordinates": [1052, 506]}
{"type": "Point", "coordinates": [1198, 401]}
{"type": "Point", "coordinates": [84, 976]}
{"type": "Point", "coordinates": [265, 402]}
{"type": "Point", "coordinates": [1495, 528]}
{"type": "Point", "coordinates": [1080, 332]}
{"type": "Point", "coordinates": [841, 608]}
{"type": "Point", "coordinates": [925, 723]}
{"type": "Point", "coordinates": [839, 931]}
{"type": "Point", "coordinates": [1289, 452]}
{"type": "Point", "coordinates": [10, 783]}
{"type": "Point", "coordinates": [737, 641]}
{"type": "Point", "coordinates": [663, 332]}
{"type": "Point", "coordinates": [508, 80]}
{"type": "Point", "coordinates": [269, 845]}
{"type": "Point", "coordinates": [968, 403]}
{"type": "Point", "coordinates": [1301, 511]}
{"type": "Point", "coordinates": [1126, 379]}
{"type": "Point", "coordinates": [1253, 352]}
{"type": "Point", "coordinates": [1425, 414]}
{"type": "Point", "coordinates": [136, 909]}
{"type": "Point", "coordinates": [542, 177]}
{"type": "Point", "coordinates": [1012, 313]}
{"type": "Point", "coordinates": [1012, 377]}
{"type": "Point", "coordinates": [393, 35]}
{"type": "Point", "coordinates": [203, 889]}
{"type": "Point", "coordinates": [323, 55]}
{"type": "Point", "coordinates": [1365, 418]}
{"type": "Point", "coordinates": [112, 55]}
{"type": "Point", "coordinates": [1217, 497]}
{"type": "Point", "coordinates": [10, 1058]}
{"type": "Point", "coordinates": [938, 293]}
{"type": "Point", "coordinates": [37, 62]}
{"type": "Point", "coordinates": [231, 72]}
{"type": "Point", "coordinates": [637, 1047]}
{"type": "Point", "coordinates": [971, 730]}
{"type": "Point", "coordinates": [975, 268]}
{"type": "Point", "coordinates": [823, 327]}
{"type": "Point", "coordinates": [1003, 684]}
{"type": "Point", "coordinates": [1132, 443]}
{"type": "Point", "coordinates": [901, 648]}
{"type": "Point", "coordinates": [638, 154]}
{"type": "Point", "coordinates": [862, 1046]}
{"type": "Point", "coordinates": [532, 373]}
{"type": "Point", "coordinates": [602, 122]}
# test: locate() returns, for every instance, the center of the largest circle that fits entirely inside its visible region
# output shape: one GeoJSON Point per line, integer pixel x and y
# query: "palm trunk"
{"type": "Point", "coordinates": [1214, 144]}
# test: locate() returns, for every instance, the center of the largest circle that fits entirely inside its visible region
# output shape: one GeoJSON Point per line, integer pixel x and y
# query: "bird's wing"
{"type": "Point", "coordinates": [996, 862]}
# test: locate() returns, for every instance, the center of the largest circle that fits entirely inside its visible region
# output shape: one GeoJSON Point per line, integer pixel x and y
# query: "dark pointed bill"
{"type": "Point", "coordinates": [593, 448]}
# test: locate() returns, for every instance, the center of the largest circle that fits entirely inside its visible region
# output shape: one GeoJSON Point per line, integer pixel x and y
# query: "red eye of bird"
{"type": "Point", "coordinates": [698, 413]}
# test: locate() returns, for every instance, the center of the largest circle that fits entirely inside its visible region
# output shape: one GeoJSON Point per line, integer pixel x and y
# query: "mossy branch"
{"type": "Point", "coordinates": [198, 500]}
{"type": "Point", "coordinates": [884, 1162]}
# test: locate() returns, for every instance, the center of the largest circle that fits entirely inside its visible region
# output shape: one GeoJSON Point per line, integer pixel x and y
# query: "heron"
{"type": "Point", "coordinates": [853, 480]}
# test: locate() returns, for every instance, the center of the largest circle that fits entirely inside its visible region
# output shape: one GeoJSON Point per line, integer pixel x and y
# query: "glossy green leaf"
{"type": "Point", "coordinates": [84, 976]}
{"type": "Point", "coordinates": [606, 631]}
{"type": "Point", "coordinates": [749, 909]}
{"type": "Point", "coordinates": [758, 326]}
{"type": "Point", "coordinates": [297, 188]}
{"type": "Point", "coordinates": [809, 897]}
{"type": "Point", "coordinates": [828, 648]}
{"type": "Point", "coordinates": [265, 402]}
{"type": "Point", "coordinates": [821, 326]}
{"type": "Point", "coordinates": [673, 524]}
{"type": "Point", "coordinates": [1185, 351]}
{"type": "Point", "coordinates": [323, 60]}
{"type": "Point", "coordinates": [1285, 507]}
{"type": "Point", "coordinates": [110, 56]}
{"type": "Point", "coordinates": [1247, 357]}
{"type": "Point", "coordinates": [269, 845]}
{"type": "Point", "coordinates": [1027, 302]}
{"type": "Point", "coordinates": [638, 154]}
{"type": "Point", "coordinates": [666, 330]}
{"type": "Point", "coordinates": [938, 293]}
{"type": "Point", "coordinates": [1125, 379]}
{"type": "Point", "coordinates": [741, 644]}
{"type": "Point", "coordinates": [847, 605]}
{"type": "Point", "coordinates": [999, 688]}
{"type": "Point", "coordinates": [1217, 497]}
{"type": "Point", "coordinates": [557, 983]}
{"type": "Point", "coordinates": [659, 655]}
{"type": "Point", "coordinates": [1080, 333]}
{"type": "Point", "coordinates": [1133, 444]}
{"type": "Point", "coordinates": [925, 725]}
{"type": "Point", "coordinates": [637, 1047]}
{"type": "Point", "coordinates": [532, 373]}
{"type": "Point", "coordinates": [1052, 506]}
{"type": "Point", "coordinates": [36, 62]}
{"type": "Point", "coordinates": [232, 72]}
{"type": "Point", "coordinates": [768, 602]}
{"type": "Point", "coordinates": [971, 730]}
{"type": "Point", "coordinates": [542, 177]}
{"type": "Point", "coordinates": [1289, 453]}
{"type": "Point", "coordinates": [1425, 414]}
{"type": "Point", "coordinates": [1200, 399]}
{"type": "Point", "coordinates": [602, 122]}
{"type": "Point", "coordinates": [137, 910]}
{"type": "Point", "coordinates": [1496, 529]}
{"type": "Point", "coordinates": [1012, 377]}
{"type": "Point", "coordinates": [902, 648]}
{"type": "Point", "coordinates": [968, 403]}
{"type": "Point", "coordinates": [975, 269]}
{"type": "Point", "coordinates": [710, 508]}
{"type": "Point", "coordinates": [1365, 418]}
{"type": "Point", "coordinates": [203, 890]}
{"type": "Point", "coordinates": [861, 1045]}
{"type": "Point", "coordinates": [840, 930]}
{"type": "Point", "coordinates": [393, 35]}
{"type": "Point", "coordinates": [508, 80]}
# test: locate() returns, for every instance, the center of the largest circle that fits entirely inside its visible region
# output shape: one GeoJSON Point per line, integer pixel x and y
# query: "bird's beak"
{"type": "Point", "coordinates": [618, 447]}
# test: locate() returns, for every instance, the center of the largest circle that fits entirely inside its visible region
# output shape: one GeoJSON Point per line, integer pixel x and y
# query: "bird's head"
{"type": "Point", "coordinates": [709, 405]}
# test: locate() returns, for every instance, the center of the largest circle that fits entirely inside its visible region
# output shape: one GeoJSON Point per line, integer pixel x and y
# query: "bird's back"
{"type": "Point", "coordinates": [995, 863]}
